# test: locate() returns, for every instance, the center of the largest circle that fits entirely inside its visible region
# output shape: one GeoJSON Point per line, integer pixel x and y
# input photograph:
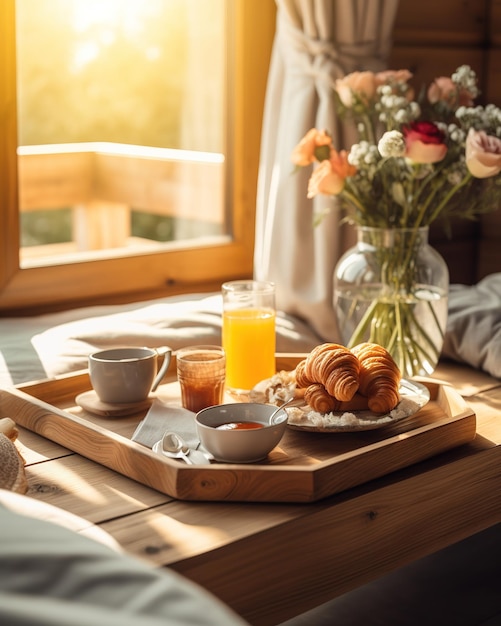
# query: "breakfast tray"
{"type": "Point", "coordinates": [304, 467]}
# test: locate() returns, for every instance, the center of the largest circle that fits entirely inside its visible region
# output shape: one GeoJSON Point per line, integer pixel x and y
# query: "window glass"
{"type": "Point", "coordinates": [74, 207]}
{"type": "Point", "coordinates": [121, 134]}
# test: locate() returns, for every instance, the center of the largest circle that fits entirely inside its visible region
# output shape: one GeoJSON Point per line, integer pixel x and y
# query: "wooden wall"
{"type": "Point", "coordinates": [432, 38]}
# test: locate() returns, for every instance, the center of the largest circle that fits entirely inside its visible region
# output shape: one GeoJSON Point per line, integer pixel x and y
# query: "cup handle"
{"type": "Point", "coordinates": [166, 353]}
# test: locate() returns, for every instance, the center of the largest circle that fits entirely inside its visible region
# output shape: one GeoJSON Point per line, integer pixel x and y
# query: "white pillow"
{"type": "Point", "coordinates": [46, 346]}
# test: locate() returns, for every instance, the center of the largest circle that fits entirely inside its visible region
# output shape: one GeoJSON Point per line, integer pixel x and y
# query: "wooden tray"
{"type": "Point", "coordinates": [305, 467]}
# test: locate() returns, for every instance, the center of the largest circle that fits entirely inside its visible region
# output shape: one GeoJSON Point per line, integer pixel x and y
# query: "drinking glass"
{"type": "Point", "coordinates": [248, 333]}
{"type": "Point", "coordinates": [201, 376]}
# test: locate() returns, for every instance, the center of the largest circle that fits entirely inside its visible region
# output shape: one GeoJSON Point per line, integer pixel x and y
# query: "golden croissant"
{"type": "Point", "coordinates": [302, 380]}
{"type": "Point", "coordinates": [319, 400]}
{"type": "Point", "coordinates": [336, 368]}
{"type": "Point", "coordinates": [379, 377]}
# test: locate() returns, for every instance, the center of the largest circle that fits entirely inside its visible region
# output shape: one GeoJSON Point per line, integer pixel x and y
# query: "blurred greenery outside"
{"type": "Point", "coordinates": [124, 71]}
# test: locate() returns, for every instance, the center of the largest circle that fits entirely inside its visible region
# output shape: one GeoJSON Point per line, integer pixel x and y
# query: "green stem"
{"type": "Point", "coordinates": [439, 208]}
{"type": "Point", "coordinates": [346, 193]}
{"type": "Point", "coordinates": [358, 334]}
{"type": "Point", "coordinates": [390, 319]}
{"type": "Point", "coordinates": [368, 126]}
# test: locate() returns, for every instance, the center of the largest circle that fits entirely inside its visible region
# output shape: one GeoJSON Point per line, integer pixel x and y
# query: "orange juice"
{"type": "Point", "coordinates": [249, 343]}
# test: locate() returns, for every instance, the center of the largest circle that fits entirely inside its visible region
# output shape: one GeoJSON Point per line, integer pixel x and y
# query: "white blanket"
{"type": "Point", "coordinates": [34, 348]}
{"type": "Point", "coordinates": [46, 346]}
{"type": "Point", "coordinates": [51, 573]}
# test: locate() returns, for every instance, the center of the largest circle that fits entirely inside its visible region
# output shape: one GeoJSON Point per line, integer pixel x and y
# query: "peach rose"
{"type": "Point", "coordinates": [483, 154]}
{"type": "Point", "coordinates": [324, 180]}
{"type": "Point", "coordinates": [443, 89]}
{"type": "Point", "coordinates": [357, 85]}
{"type": "Point", "coordinates": [306, 150]}
{"type": "Point", "coordinates": [424, 142]}
{"type": "Point", "coordinates": [390, 77]}
{"type": "Point", "coordinates": [328, 178]}
{"type": "Point", "coordinates": [393, 76]}
{"type": "Point", "coordinates": [340, 165]}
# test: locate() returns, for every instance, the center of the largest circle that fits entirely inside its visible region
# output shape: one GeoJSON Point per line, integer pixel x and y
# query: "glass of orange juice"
{"type": "Point", "coordinates": [248, 333]}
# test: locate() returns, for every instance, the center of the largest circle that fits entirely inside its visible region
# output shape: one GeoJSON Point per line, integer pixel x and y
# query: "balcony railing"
{"type": "Point", "coordinates": [104, 182]}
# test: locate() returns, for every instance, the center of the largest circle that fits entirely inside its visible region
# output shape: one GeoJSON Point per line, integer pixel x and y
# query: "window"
{"type": "Point", "coordinates": [145, 203]}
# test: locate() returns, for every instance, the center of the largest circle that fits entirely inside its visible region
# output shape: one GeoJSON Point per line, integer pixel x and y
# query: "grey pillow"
{"type": "Point", "coordinates": [473, 333]}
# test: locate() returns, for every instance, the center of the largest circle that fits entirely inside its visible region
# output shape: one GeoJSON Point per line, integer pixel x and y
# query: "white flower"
{"type": "Point", "coordinates": [402, 117]}
{"type": "Point", "coordinates": [415, 110]}
{"type": "Point", "coordinates": [465, 78]}
{"type": "Point", "coordinates": [392, 101]}
{"type": "Point", "coordinates": [371, 156]}
{"type": "Point", "coordinates": [392, 144]}
{"type": "Point", "coordinates": [357, 153]}
{"type": "Point", "coordinates": [456, 134]}
{"type": "Point", "coordinates": [389, 188]}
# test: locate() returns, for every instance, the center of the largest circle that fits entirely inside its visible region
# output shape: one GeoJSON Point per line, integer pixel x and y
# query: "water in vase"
{"type": "Point", "coordinates": [410, 326]}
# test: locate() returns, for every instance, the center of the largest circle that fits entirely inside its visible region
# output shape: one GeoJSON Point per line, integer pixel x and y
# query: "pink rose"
{"type": "Point", "coordinates": [356, 86]}
{"type": "Point", "coordinates": [424, 142]}
{"type": "Point", "coordinates": [307, 149]}
{"type": "Point", "coordinates": [483, 154]}
{"type": "Point", "coordinates": [443, 89]}
{"type": "Point", "coordinates": [328, 178]}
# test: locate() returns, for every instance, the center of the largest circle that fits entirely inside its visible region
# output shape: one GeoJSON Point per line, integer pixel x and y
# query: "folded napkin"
{"type": "Point", "coordinates": [162, 417]}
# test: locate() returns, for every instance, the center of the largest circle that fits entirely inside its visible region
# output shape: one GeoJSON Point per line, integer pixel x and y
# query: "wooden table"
{"type": "Point", "coordinates": [272, 561]}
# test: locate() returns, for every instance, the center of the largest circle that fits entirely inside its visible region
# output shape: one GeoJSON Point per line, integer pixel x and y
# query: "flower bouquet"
{"type": "Point", "coordinates": [437, 156]}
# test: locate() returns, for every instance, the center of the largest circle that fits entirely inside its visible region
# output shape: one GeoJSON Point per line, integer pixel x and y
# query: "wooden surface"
{"type": "Point", "coordinates": [271, 561]}
{"type": "Point", "coordinates": [304, 467]}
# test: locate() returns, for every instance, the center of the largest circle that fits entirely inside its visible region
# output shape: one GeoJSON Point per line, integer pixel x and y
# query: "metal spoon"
{"type": "Point", "coordinates": [279, 408]}
{"type": "Point", "coordinates": [172, 445]}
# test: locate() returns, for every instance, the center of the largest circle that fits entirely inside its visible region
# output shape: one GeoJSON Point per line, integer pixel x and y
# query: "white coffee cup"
{"type": "Point", "coordinates": [127, 375]}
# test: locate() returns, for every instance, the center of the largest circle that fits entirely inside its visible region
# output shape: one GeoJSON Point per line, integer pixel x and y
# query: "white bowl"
{"type": "Point", "coordinates": [240, 445]}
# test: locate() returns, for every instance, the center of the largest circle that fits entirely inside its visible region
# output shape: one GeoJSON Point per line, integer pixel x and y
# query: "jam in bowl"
{"type": "Point", "coordinates": [240, 426]}
{"type": "Point", "coordinates": [241, 432]}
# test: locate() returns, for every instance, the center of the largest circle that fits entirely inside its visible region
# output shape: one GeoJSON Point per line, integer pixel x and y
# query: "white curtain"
{"type": "Point", "coordinates": [316, 42]}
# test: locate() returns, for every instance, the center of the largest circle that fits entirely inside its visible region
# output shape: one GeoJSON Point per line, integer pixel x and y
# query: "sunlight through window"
{"type": "Point", "coordinates": [132, 75]}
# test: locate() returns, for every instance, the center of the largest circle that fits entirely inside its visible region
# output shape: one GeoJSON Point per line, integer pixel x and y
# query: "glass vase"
{"type": "Point", "coordinates": [391, 288]}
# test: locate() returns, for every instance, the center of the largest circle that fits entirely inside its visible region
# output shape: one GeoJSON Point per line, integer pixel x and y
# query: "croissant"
{"type": "Point", "coordinates": [379, 377]}
{"type": "Point", "coordinates": [336, 367]}
{"type": "Point", "coordinates": [302, 380]}
{"type": "Point", "coordinates": [319, 400]}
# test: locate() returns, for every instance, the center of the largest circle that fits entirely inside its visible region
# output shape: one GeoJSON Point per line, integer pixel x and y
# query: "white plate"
{"type": "Point", "coordinates": [413, 396]}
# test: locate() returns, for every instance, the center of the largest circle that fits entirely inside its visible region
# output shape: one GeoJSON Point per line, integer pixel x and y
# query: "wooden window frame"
{"type": "Point", "coordinates": [148, 275]}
